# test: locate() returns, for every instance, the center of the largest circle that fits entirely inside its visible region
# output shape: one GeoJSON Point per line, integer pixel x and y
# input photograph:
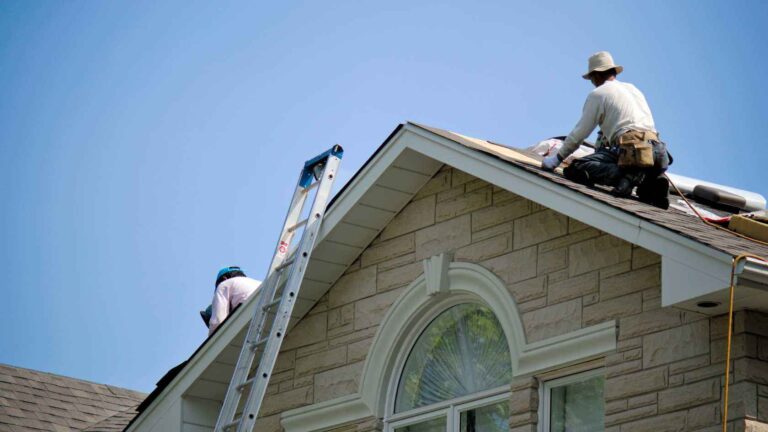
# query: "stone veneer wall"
{"type": "Point", "coordinates": [564, 275]}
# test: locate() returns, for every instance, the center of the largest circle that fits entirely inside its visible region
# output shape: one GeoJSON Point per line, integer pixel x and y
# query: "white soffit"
{"type": "Point", "coordinates": [372, 199]}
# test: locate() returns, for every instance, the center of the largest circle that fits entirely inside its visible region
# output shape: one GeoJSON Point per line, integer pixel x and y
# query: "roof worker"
{"type": "Point", "coordinates": [232, 289]}
{"type": "Point", "coordinates": [628, 150]}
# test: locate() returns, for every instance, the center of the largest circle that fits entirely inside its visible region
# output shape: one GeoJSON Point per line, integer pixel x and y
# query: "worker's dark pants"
{"type": "Point", "coordinates": [602, 167]}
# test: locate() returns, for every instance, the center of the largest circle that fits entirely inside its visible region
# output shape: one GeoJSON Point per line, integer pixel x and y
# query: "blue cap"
{"type": "Point", "coordinates": [226, 270]}
{"type": "Point", "coordinates": [224, 274]}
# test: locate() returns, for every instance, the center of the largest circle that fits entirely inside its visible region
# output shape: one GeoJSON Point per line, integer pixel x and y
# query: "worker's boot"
{"type": "Point", "coordinates": [623, 188]}
{"type": "Point", "coordinates": [655, 192]}
{"type": "Point", "coordinates": [575, 173]}
{"type": "Point", "coordinates": [627, 183]}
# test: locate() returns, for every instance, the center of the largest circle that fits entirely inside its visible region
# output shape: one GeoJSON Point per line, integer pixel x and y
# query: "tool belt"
{"type": "Point", "coordinates": [636, 148]}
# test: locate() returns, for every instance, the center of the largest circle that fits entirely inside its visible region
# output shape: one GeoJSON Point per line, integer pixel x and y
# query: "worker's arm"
{"type": "Point", "coordinates": [219, 308]}
{"type": "Point", "coordinates": [590, 117]}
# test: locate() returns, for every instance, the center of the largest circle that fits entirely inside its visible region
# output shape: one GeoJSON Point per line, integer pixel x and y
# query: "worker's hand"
{"type": "Point", "coordinates": [551, 162]}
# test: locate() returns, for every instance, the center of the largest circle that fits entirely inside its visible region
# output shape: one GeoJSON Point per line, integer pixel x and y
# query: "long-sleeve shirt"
{"type": "Point", "coordinates": [617, 107]}
{"type": "Point", "coordinates": [228, 295]}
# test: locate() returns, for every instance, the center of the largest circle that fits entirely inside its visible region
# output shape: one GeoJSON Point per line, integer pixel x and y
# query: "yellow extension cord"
{"type": "Point", "coordinates": [730, 332]}
{"type": "Point", "coordinates": [732, 287]}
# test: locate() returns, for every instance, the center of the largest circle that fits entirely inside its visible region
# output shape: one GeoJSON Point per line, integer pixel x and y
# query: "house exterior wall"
{"type": "Point", "coordinates": [564, 275]}
{"type": "Point", "coordinates": [198, 415]}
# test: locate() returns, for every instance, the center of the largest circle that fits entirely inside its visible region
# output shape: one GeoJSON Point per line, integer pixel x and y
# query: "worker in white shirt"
{"type": "Point", "coordinates": [232, 289]}
{"type": "Point", "coordinates": [629, 152]}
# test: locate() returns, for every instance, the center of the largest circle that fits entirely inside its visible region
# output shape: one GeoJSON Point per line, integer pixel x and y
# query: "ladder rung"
{"type": "Point", "coordinates": [293, 228]}
{"type": "Point", "coordinates": [245, 384]}
{"type": "Point", "coordinates": [284, 265]}
{"type": "Point", "coordinates": [259, 343]}
{"type": "Point", "coordinates": [229, 425]}
{"type": "Point", "coordinates": [272, 304]}
{"type": "Point", "coordinates": [312, 186]}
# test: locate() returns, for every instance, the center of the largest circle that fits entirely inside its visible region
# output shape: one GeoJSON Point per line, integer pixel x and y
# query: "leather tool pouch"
{"type": "Point", "coordinates": [636, 150]}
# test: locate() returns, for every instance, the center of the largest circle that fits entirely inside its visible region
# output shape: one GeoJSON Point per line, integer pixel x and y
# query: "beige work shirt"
{"type": "Point", "coordinates": [617, 107]}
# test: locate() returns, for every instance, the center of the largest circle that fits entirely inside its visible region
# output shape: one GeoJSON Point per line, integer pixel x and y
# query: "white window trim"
{"type": "Point", "coordinates": [546, 390]}
{"type": "Point", "coordinates": [480, 403]}
{"type": "Point", "coordinates": [429, 415]}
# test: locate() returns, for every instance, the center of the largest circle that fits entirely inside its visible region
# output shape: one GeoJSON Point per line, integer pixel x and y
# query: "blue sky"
{"type": "Point", "coordinates": [144, 145]}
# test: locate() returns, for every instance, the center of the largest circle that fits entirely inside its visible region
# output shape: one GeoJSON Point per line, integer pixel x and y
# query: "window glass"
{"type": "Point", "coordinates": [434, 425]}
{"type": "Point", "coordinates": [578, 407]}
{"type": "Point", "coordinates": [491, 418]}
{"type": "Point", "coordinates": [462, 351]}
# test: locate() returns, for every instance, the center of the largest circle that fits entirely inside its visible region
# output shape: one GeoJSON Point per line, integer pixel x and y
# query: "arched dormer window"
{"type": "Point", "coordinates": [456, 376]}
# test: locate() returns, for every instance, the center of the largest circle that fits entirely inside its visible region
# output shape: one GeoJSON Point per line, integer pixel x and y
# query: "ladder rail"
{"type": "Point", "coordinates": [283, 268]}
{"type": "Point", "coordinates": [286, 235]}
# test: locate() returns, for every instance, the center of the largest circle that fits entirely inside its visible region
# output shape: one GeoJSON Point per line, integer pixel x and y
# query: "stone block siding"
{"type": "Point", "coordinates": [666, 374]}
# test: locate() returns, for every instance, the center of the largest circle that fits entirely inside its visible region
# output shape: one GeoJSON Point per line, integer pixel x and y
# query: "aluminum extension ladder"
{"type": "Point", "coordinates": [275, 305]}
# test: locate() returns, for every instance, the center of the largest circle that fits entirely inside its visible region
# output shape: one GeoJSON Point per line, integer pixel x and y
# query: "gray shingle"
{"type": "Point", "coordinates": [114, 423]}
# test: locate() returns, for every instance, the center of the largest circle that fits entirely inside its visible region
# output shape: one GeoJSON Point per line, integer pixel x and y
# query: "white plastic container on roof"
{"type": "Point", "coordinates": [754, 201]}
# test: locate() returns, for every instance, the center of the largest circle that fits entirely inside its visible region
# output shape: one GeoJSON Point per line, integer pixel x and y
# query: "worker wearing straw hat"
{"type": "Point", "coordinates": [629, 152]}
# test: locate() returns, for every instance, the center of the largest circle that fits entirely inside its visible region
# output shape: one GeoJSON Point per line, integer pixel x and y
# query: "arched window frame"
{"type": "Point", "coordinates": [452, 408]}
{"type": "Point", "coordinates": [444, 283]}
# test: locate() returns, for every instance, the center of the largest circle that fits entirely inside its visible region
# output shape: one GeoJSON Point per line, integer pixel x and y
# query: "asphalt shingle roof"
{"type": "Point", "coordinates": [672, 219]}
{"type": "Point", "coordinates": [116, 423]}
{"type": "Point", "coordinates": [38, 401]}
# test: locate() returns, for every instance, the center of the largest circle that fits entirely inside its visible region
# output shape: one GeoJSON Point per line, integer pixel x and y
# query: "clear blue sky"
{"type": "Point", "coordinates": [144, 145]}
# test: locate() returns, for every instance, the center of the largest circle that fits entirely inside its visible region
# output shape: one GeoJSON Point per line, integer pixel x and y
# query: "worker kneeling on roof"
{"type": "Point", "coordinates": [629, 152]}
{"type": "Point", "coordinates": [232, 289]}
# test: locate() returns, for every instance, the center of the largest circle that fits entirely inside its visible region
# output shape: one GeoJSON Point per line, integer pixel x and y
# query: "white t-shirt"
{"type": "Point", "coordinates": [228, 295]}
{"type": "Point", "coordinates": [616, 106]}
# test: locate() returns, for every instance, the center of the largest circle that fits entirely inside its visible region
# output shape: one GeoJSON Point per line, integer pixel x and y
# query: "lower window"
{"type": "Point", "coordinates": [574, 403]}
{"type": "Point", "coordinates": [477, 416]}
{"type": "Point", "coordinates": [489, 418]}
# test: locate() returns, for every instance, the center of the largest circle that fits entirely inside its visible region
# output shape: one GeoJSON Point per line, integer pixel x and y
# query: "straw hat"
{"type": "Point", "coordinates": [601, 61]}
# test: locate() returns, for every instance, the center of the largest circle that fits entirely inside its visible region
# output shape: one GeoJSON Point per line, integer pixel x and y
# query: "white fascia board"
{"type": "Point", "coordinates": [685, 280]}
{"type": "Point", "coordinates": [571, 203]}
{"type": "Point", "coordinates": [196, 366]}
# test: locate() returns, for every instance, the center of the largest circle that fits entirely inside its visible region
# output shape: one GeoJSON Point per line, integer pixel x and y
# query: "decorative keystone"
{"type": "Point", "coordinates": [436, 273]}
